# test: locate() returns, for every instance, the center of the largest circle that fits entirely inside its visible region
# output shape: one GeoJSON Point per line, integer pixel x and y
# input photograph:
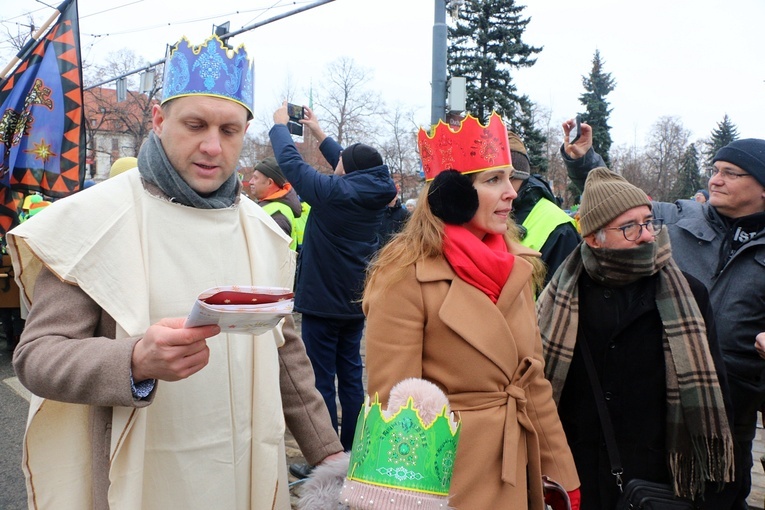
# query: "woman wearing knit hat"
{"type": "Point", "coordinates": [622, 297]}
{"type": "Point", "coordinates": [451, 300]}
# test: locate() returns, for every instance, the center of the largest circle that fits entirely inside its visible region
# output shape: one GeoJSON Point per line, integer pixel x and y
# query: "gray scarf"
{"type": "Point", "coordinates": [155, 168]}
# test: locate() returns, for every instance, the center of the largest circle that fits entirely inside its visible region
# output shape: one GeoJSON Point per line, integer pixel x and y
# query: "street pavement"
{"type": "Point", "coordinates": [13, 416]}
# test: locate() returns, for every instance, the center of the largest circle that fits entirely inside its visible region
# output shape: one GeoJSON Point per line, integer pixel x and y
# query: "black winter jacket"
{"type": "Point", "coordinates": [622, 327]}
{"type": "Point", "coordinates": [341, 232]}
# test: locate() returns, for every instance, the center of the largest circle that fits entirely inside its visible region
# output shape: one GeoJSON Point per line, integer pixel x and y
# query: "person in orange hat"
{"type": "Point", "coordinates": [276, 196]}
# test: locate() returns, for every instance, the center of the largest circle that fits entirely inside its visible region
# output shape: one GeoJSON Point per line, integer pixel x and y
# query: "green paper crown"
{"type": "Point", "coordinates": [401, 452]}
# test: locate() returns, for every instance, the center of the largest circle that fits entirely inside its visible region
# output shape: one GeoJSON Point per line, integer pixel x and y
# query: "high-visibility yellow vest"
{"type": "Point", "coordinates": [273, 207]}
{"type": "Point", "coordinates": [300, 222]}
{"type": "Point", "coordinates": [541, 221]}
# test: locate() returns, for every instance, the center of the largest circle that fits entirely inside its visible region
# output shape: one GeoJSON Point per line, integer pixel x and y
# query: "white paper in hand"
{"type": "Point", "coordinates": [241, 309]}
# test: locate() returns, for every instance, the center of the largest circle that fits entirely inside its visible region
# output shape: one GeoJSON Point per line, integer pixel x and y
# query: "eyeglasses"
{"type": "Point", "coordinates": [633, 231]}
{"type": "Point", "coordinates": [726, 175]}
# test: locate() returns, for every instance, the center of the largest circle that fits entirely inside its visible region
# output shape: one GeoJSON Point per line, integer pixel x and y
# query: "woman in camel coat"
{"type": "Point", "coordinates": [451, 300]}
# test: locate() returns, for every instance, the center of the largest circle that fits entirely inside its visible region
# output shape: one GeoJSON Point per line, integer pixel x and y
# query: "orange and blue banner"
{"type": "Point", "coordinates": [42, 132]}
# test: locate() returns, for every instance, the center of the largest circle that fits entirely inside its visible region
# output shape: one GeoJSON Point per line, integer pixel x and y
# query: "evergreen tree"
{"type": "Point", "coordinates": [597, 86]}
{"type": "Point", "coordinates": [725, 133]}
{"type": "Point", "coordinates": [485, 46]}
{"type": "Point", "coordinates": [525, 125]}
{"type": "Point", "coordinates": [688, 175]}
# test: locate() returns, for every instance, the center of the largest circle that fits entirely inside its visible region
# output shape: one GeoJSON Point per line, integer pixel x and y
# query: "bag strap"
{"type": "Point", "coordinates": [605, 419]}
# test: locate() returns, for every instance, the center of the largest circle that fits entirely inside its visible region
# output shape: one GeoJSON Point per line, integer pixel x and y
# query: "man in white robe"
{"type": "Point", "coordinates": [132, 410]}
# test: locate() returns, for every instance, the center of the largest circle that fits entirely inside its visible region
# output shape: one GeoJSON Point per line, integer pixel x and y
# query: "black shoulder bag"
{"type": "Point", "coordinates": [636, 494]}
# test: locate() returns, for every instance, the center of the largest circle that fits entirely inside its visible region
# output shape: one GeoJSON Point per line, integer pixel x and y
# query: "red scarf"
{"type": "Point", "coordinates": [485, 265]}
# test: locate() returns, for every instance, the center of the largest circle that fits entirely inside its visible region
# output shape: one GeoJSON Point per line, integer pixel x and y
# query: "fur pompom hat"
{"type": "Point", "coordinates": [452, 197]}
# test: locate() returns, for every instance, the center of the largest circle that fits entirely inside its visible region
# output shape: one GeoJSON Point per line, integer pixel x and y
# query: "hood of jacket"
{"type": "Point", "coordinates": [291, 199]}
{"type": "Point", "coordinates": [531, 191]}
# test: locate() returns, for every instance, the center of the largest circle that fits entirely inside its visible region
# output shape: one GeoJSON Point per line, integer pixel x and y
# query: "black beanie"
{"type": "Point", "coordinates": [749, 154]}
{"type": "Point", "coordinates": [452, 197]}
{"type": "Point", "coordinates": [270, 168]}
{"type": "Point", "coordinates": [360, 156]}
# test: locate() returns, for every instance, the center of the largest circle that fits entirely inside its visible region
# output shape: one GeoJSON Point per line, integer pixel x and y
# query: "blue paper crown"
{"type": "Point", "coordinates": [209, 70]}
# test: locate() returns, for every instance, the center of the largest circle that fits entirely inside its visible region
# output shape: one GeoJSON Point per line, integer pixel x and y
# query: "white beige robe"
{"type": "Point", "coordinates": [214, 440]}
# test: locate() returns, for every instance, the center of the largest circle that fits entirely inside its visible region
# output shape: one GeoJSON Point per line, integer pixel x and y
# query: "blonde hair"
{"type": "Point", "coordinates": [422, 238]}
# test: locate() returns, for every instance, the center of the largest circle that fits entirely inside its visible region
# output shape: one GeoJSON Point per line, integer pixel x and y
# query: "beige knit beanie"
{"type": "Point", "coordinates": [607, 195]}
{"type": "Point", "coordinates": [520, 157]}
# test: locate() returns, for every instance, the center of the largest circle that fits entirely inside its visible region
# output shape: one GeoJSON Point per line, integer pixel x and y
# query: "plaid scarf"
{"type": "Point", "coordinates": [699, 442]}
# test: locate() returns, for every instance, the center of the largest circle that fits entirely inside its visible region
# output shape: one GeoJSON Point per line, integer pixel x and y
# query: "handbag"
{"type": "Point", "coordinates": [642, 494]}
{"type": "Point", "coordinates": [637, 494]}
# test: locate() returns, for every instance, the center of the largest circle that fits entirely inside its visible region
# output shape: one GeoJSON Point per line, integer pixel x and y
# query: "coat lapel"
{"type": "Point", "coordinates": [485, 328]}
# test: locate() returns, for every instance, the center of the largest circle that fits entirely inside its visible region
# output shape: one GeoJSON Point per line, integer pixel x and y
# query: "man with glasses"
{"type": "Point", "coordinates": [622, 296]}
{"type": "Point", "coordinates": [722, 244]}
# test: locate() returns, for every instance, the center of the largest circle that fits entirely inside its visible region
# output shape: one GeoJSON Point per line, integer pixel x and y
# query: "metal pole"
{"type": "Point", "coordinates": [276, 18]}
{"type": "Point", "coordinates": [438, 81]}
{"type": "Point", "coordinates": [224, 37]}
{"type": "Point", "coordinates": [36, 37]}
{"type": "Point", "coordinates": [125, 75]}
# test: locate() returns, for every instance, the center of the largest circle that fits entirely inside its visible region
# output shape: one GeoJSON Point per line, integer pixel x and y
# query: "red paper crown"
{"type": "Point", "coordinates": [471, 148]}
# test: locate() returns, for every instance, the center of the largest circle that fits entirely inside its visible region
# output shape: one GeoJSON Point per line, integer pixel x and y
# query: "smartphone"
{"type": "Point", "coordinates": [295, 128]}
{"type": "Point", "coordinates": [576, 131]}
{"type": "Point", "coordinates": [295, 112]}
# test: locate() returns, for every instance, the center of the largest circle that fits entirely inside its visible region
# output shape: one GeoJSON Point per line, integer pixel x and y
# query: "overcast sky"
{"type": "Point", "coordinates": [695, 60]}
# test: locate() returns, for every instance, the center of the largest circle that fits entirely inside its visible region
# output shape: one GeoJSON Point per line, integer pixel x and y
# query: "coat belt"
{"type": "Point", "coordinates": [513, 397]}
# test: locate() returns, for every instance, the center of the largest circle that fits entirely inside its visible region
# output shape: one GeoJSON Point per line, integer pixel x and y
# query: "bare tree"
{"type": "Point", "coordinates": [556, 173]}
{"type": "Point", "coordinates": [256, 147]}
{"type": "Point", "coordinates": [633, 165]}
{"type": "Point", "coordinates": [400, 150]}
{"type": "Point", "coordinates": [131, 117]}
{"type": "Point", "coordinates": [16, 39]}
{"type": "Point", "coordinates": [350, 111]}
{"type": "Point", "coordinates": [666, 146]}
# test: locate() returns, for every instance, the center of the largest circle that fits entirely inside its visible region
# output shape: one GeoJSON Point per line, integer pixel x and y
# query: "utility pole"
{"type": "Point", "coordinates": [438, 80]}
{"type": "Point", "coordinates": [222, 32]}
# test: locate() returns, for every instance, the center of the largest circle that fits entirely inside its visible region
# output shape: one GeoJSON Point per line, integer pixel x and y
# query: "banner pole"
{"type": "Point", "coordinates": [35, 38]}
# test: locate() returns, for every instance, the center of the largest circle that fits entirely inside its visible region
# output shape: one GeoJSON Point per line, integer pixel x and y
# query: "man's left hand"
{"type": "Point", "coordinates": [281, 116]}
{"type": "Point", "coordinates": [759, 344]}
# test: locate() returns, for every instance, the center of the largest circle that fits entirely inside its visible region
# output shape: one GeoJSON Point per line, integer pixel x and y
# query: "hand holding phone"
{"type": "Point", "coordinates": [296, 114]}
{"type": "Point", "coordinates": [576, 131]}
